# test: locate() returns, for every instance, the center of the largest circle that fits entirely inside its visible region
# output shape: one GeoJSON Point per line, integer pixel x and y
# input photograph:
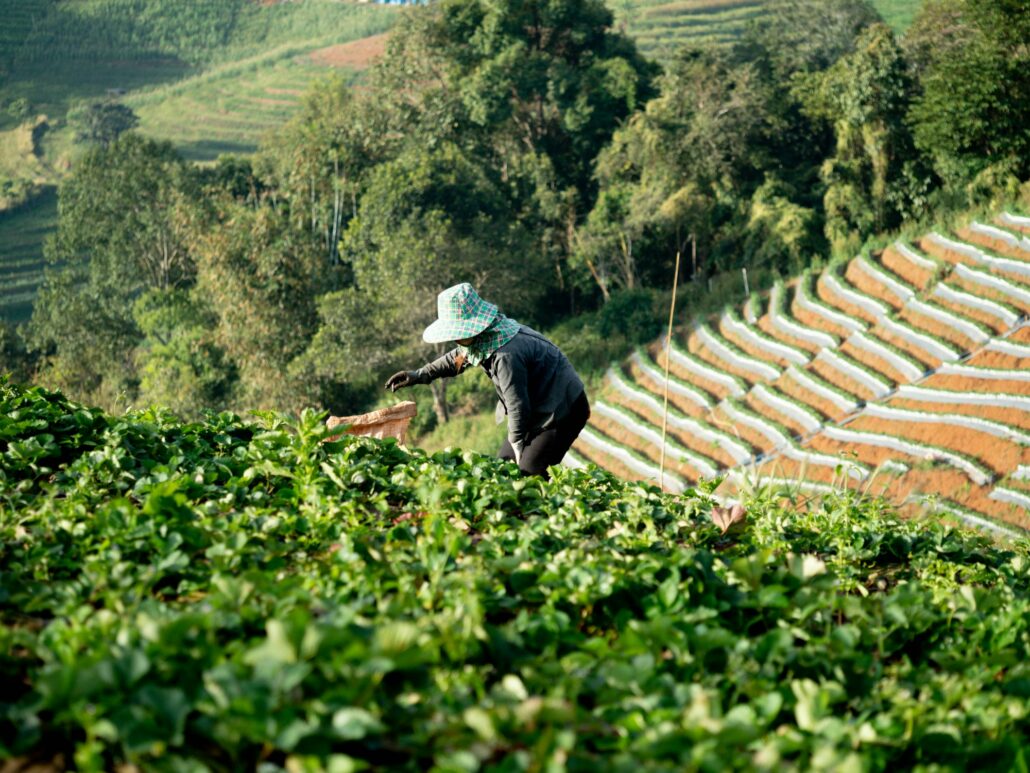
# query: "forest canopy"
{"type": "Point", "coordinates": [528, 147]}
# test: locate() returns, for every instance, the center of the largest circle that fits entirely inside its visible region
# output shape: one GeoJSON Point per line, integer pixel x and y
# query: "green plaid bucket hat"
{"type": "Point", "coordinates": [462, 314]}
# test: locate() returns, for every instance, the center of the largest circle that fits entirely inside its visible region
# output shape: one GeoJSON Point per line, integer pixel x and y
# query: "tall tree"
{"type": "Point", "coordinates": [972, 61]}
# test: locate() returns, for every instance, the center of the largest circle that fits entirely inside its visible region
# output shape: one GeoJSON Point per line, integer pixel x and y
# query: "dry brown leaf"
{"type": "Point", "coordinates": [727, 517]}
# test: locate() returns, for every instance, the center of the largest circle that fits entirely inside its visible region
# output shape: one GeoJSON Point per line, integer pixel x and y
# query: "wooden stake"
{"type": "Point", "coordinates": [668, 345]}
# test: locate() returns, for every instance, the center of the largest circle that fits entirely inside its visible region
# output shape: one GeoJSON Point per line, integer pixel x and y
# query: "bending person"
{"type": "Point", "coordinates": [538, 388]}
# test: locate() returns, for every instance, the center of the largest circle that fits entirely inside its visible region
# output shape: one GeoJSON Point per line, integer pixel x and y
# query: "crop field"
{"type": "Point", "coordinates": [904, 372]}
{"type": "Point", "coordinates": [661, 26]}
{"type": "Point", "coordinates": [21, 253]}
{"type": "Point", "coordinates": [241, 595]}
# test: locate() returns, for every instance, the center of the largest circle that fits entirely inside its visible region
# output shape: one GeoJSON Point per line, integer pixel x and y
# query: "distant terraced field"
{"type": "Point", "coordinates": [904, 373]}
{"type": "Point", "coordinates": [660, 26]}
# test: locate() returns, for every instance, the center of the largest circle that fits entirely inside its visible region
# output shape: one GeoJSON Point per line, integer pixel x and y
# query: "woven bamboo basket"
{"type": "Point", "coordinates": [386, 422]}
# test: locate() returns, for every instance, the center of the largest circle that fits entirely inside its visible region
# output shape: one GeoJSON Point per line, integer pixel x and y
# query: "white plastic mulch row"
{"type": "Point", "coordinates": [693, 394]}
{"type": "Point", "coordinates": [733, 447]}
{"type": "Point", "coordinates": [1022, 473]}
{"type": "Point", "coordinates": [654, 437]}
{"type": "Point", "coordinates": [914, 257]}
{"type": "Point", "coordinates": [792, 328]}
{"type": "Point", "coordinates": [970, 301]}
{"type": "Point", "coordinates": [992, 232]}
{"type": "Point", "coordinates": [758, 368]}
{"type": "Point", "coordinates": [901, 364]}
{"type": "Point", "coordinates": [631, 461]}
{"type": "Point", "coordinates": [994, 428]}
{"type": "Point", "coordinates": [979, 256]}
{"type": "Point", "coordinates": [572, 460]}
{"type": "Point", "coordinates": [994, 282]}
{"type": "Point", "coordinates": [893, 466]}
{"type": "Point", "coordinates": [786, 447]}
{"type": "Point", "coordinates": [927, 343]}
{"type": "Point", "coordinates": [744, 480]}
{"type": "Point", "coordinates": [787, 352]}
{"type": "Point", "coordinates": [947, 396]}
{"type": "Point", "coordinates": [772, 433]}
{"type": "Point", "coordinates": [896, 288]}
{"type": "Point", "coordinates": [813, 306]}
{"type": "Point", "coordinates": [1009, 347]}
{"type": "Point", "coordinates": [972, 519]}
{"type": "Point", "coordinates": [871, 305]}
{"type": "Point", "coordinates": [840, 401]}
{"type": "Point", "coordinates": [977, 475]}
{"type": "Point", "coordinates": [970, 330]}
{"type": "Point", "coordinates": [1011, 219]}
{"type": "Point", "coordinates": [1010, 497]}
{"type": "Point", "coordinates": [701, 368]}
{"type": "Point", "coordinates": [875, 384]}
{"type": "Point", "coordinates": [988, 373]}
{"type": "Point", "coordinates": [787, 408]}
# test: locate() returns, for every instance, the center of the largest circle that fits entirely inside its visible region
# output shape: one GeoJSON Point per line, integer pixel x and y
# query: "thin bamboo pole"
{"type": "Point", "coordinates": [668, 345]}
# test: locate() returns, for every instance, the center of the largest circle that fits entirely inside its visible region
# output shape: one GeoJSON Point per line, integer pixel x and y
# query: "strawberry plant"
{"type": "Point", "coordinates": [233, 594]}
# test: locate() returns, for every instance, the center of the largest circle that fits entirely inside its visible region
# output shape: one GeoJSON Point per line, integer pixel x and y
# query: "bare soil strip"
{"type": "Point", "coordinates": [868, 285]}
{"type": "Point", "coordinates": [911, 272]}
{"type": "Point", "coordinates": [977, 315]}
{"type": "Point", "coordinates": [803, 396]}
{"type": "Point", "coordinates": [962, 383]}
{"type": "Point", "coordinates": [830, 298]}
{"type": "Point", "coordinates": [356, 55]}
{"type": "Point", "coordinates": [756, 439]}
{"type": "Point", "coordinates": [765, 355]}
{"type": "Point", "coordinates": [828, 373]}
{"type": "Point", "coordinates": [770, 413]}
{"type": "Point", "coordinates": [624, 437]}
{"type": "Point", "coordinates": [766, 326]}
{"type": "Point", "coordinates": [873, 362]}
{"type": "Point", "coordinates": [917, 353]}
{"type": "Point", "coordinates": [702, 352]}
{"type": "Point", "coordinates": [936, 328]}
{"type": "Point", "coordinates": [815, 322]}
{"type": "Point", "coordinates": [943, 252]}
{"type": "Point", "coordinates": [990, 359]}
{"type": "Point", "coordinates": [999, 455]}
{"type": "Point", "coordinates": [991, 244]}
{"type": "Point", "coordinates": [648, 384]}
{"type": "Point", "coordinates": [1014, 418]}
{"type": "Point", "coordinates": [716, 390]}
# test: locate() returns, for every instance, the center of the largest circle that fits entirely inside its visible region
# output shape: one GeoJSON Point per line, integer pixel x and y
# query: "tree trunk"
{"type": "Point", "coordinates": [439, 390]}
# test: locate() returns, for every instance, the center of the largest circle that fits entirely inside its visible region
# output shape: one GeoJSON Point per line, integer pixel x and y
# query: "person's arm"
{"type": "Point", "coordinates": [509, 374]}
{"type": "Point", "coordinates": [450, 364]}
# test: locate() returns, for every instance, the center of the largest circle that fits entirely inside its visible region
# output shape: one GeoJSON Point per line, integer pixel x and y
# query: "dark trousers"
{"type": "Point", "coordinates": [549, 447]}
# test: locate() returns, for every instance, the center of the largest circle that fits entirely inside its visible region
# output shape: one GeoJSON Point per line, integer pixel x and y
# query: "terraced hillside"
{"type": "Point", "coordinates": [661, 26]}
{"type": "Point", "coordinates": [905, 373]}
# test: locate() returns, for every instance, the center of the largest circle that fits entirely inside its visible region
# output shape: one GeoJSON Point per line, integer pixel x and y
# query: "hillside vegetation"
{"type": "Point", "coordinates": [227, 594]}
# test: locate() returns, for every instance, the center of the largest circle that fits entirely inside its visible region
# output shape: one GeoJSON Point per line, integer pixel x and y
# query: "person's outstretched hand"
{"type": "Point", "coordinates": [400, 379]}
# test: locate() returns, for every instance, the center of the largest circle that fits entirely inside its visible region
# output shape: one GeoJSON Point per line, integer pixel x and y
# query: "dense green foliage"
{"type": "Point", "coordinates": [223, 595]}
{"type": "Point", "coordinates": [529, 147]}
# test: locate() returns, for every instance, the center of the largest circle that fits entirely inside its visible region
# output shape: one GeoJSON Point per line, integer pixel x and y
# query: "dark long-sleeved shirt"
{"type": "Point", "coordinates": [535, 382]}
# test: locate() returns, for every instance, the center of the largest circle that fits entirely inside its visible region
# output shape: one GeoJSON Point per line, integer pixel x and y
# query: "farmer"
{"type": "Point", "coordinates": [538, 388]}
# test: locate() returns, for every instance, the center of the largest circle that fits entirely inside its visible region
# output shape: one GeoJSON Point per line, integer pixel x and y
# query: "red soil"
{"type": "Point", "coordinates": [932, 326]}
{"type": "Point", "coordinates": [289, 92]}
{"type": "Point", "coordinates": [867, 285]}
{"type": "Point", "coordinates": [766, 326]}
{"type": "Point", "coordinates": [685, 439]}
{"type": "Point", "coordinates": [832, 299]}
{"type": "Point", "coordinates": [992, 359]}
{"type": "Point", "coordinates": [1010, 416]}
{"type": "Point", "coordinates": [757, 440]}
{"type": "Point", "coordinates": [768, 412]}
{"type": "Point", "coordinates": [945, 253]}
{"type": "Point", "coordinates": [841, 380]}
{"type": "Point", "coordinates": [958, 383]}
{"type": "Point", "coordinates": [1021, 335]}
{"type": "Point", "coordinates": [699, 350]}
{"type": "Point", "coordinates": [356, 55]}
{"type": "Point", "coordinates": [912, 273]}
{"type": "Point", "coordinates": [765, 355]}
{"type": "Point", "coordinates": [992, 322]}
{"type": "Point", "coordinates": [813, 321]}
{"type": "Point", "coordinates": [997, 246]}
{"type": "Point", "coordinates": [997, 454]}
{"type": "Point", "coordinates": [650, 451]}
{"type": "Point", "coordinates": [793, 389]}
{"type": "Point", "coordinates": [873, 362]}
{"type": "Point", "coordinates": [915, 352]}
{"type": "Point", "coordinates": [714, 388]}
{"type": "Point", "coordinates": [682, 404]}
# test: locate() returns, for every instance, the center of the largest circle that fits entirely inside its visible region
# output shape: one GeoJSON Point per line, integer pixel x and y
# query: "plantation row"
{"type": "Point", "coordinates": [228, 595]}
{"type": "Point", "coordinates": [906, 373]}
